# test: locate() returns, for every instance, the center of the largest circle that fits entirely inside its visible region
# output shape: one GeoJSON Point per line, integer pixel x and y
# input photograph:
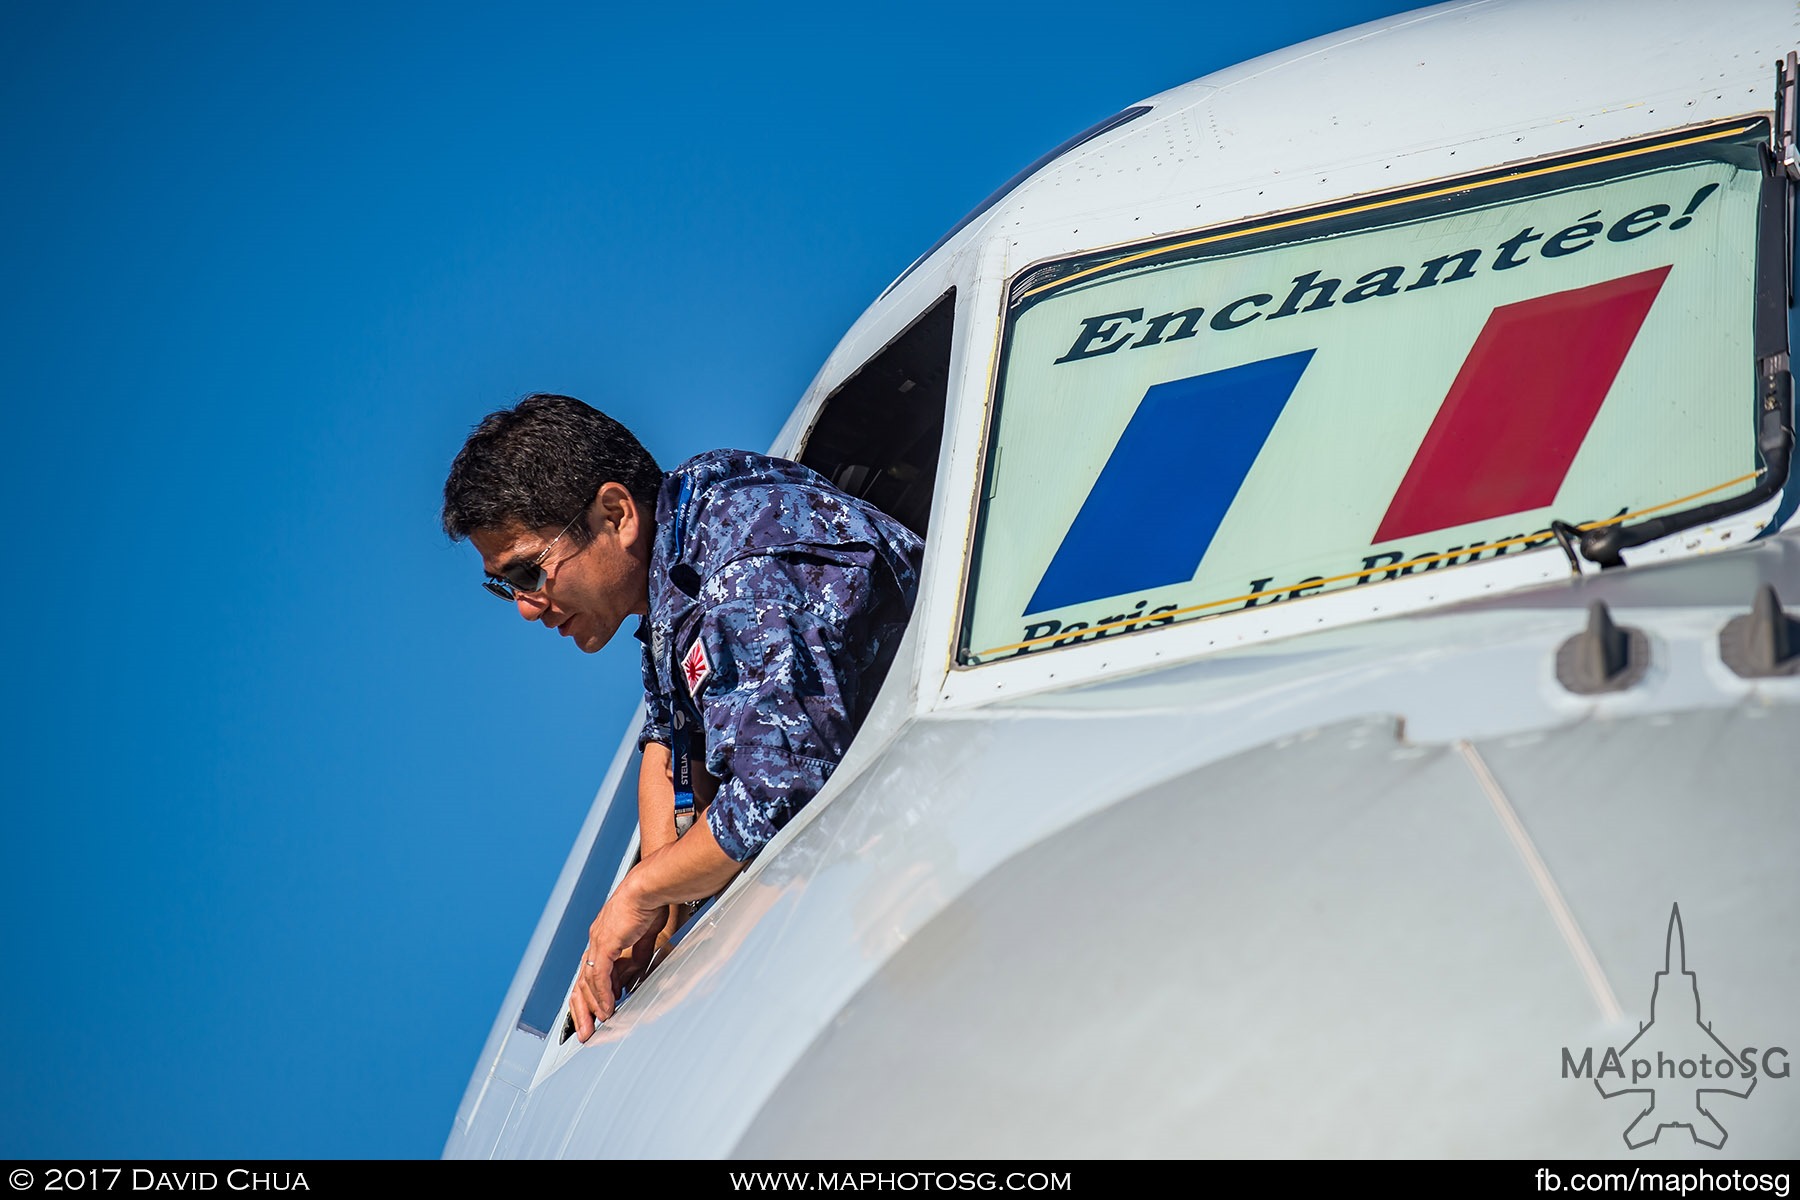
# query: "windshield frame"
{"type": "Point", "coordinates": [1597, 542]}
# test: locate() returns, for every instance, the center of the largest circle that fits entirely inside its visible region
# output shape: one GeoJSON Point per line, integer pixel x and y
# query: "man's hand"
{"type": "Point", "coordinates": [630, 967]}
{"type": "Point", "coordinates": [691, 868]}
{"type": "Point", "coordinates": [626, 927]}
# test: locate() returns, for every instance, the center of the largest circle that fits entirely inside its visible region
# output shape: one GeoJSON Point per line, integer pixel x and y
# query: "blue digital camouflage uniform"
{"type": "Point", "coordinates": [783, 599]}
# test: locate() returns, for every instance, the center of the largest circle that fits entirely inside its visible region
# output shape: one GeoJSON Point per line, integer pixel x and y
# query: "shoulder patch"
{"type": "Point", "coordinates": [694, 667]}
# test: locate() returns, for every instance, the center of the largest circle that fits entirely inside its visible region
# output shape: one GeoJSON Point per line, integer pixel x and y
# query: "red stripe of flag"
{"type": "Point", "coordinates": [1520, 407]}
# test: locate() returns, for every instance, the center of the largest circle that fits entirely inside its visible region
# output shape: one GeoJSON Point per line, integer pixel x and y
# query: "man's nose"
{"type": "Point", "coordinates": [531, 605]}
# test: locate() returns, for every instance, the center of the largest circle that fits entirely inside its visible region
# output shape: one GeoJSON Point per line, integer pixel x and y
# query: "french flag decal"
{"type": "Point", "coordinates": [1502, 441]}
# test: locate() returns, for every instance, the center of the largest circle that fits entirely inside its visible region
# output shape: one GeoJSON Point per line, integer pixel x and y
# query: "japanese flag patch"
{"type": "Point", "coordinates": [694, 667]}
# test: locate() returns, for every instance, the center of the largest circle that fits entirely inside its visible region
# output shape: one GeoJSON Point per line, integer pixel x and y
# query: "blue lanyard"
{"type": "Point", "coordinates": [683, 771]}
{"type": "Point", "coordinates": [681, 766]}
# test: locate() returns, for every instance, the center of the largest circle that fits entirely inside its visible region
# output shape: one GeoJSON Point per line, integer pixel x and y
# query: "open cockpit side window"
{"type": "Point", "coordinates": [878, 434]}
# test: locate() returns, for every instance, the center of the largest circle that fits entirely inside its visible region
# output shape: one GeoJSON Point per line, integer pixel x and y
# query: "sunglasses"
{"type": "Point", "coordinates": [526, 577]}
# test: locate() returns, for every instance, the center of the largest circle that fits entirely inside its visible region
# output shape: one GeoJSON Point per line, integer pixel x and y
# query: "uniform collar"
{"type": "Point", "coordinates": [684, 556]}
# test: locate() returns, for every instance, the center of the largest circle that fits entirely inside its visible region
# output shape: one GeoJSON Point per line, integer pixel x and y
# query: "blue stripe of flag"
{"type": "Point", "coordinates": [1152, 513]}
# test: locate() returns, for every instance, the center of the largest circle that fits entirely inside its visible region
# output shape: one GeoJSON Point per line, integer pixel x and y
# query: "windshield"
{"type": "Point", "coordinates": [1330, 400]}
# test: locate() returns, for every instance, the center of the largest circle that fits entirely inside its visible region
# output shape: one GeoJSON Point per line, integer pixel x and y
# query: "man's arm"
{"type": "Point", "coordinates": [778, 686]}
{"type": "Point", "coordinates": [656, 800]}
{"type": "Point", "coordinates": [779, 706]}
{"type": "Point", "coordinates": [656, 829]}
{"type": "Point", "coordinates": [691, 867]}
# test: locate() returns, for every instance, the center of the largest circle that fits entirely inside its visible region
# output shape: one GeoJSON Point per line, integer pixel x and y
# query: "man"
{"type": "Point", "coordinates": [770, 605]}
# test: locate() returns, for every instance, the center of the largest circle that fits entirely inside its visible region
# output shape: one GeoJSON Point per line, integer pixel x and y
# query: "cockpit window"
{"type": "Point", "coordinates": [1330, 399]}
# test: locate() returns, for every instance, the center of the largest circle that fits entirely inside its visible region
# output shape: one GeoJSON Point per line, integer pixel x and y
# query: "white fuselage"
{"type": "Point", "coordinates": [1337, 871]}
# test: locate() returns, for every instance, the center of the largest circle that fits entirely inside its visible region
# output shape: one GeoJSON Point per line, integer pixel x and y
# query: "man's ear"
{"type": "Point", "coordinates": [618, 509]}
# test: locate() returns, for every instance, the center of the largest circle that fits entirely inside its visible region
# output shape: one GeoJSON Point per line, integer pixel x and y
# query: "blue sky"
{"type": "Point", "coordinates": [287, 789]}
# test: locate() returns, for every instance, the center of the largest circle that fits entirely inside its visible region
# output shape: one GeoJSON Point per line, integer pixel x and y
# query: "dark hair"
{"type": "Point", "coordinates": [539, 464]}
